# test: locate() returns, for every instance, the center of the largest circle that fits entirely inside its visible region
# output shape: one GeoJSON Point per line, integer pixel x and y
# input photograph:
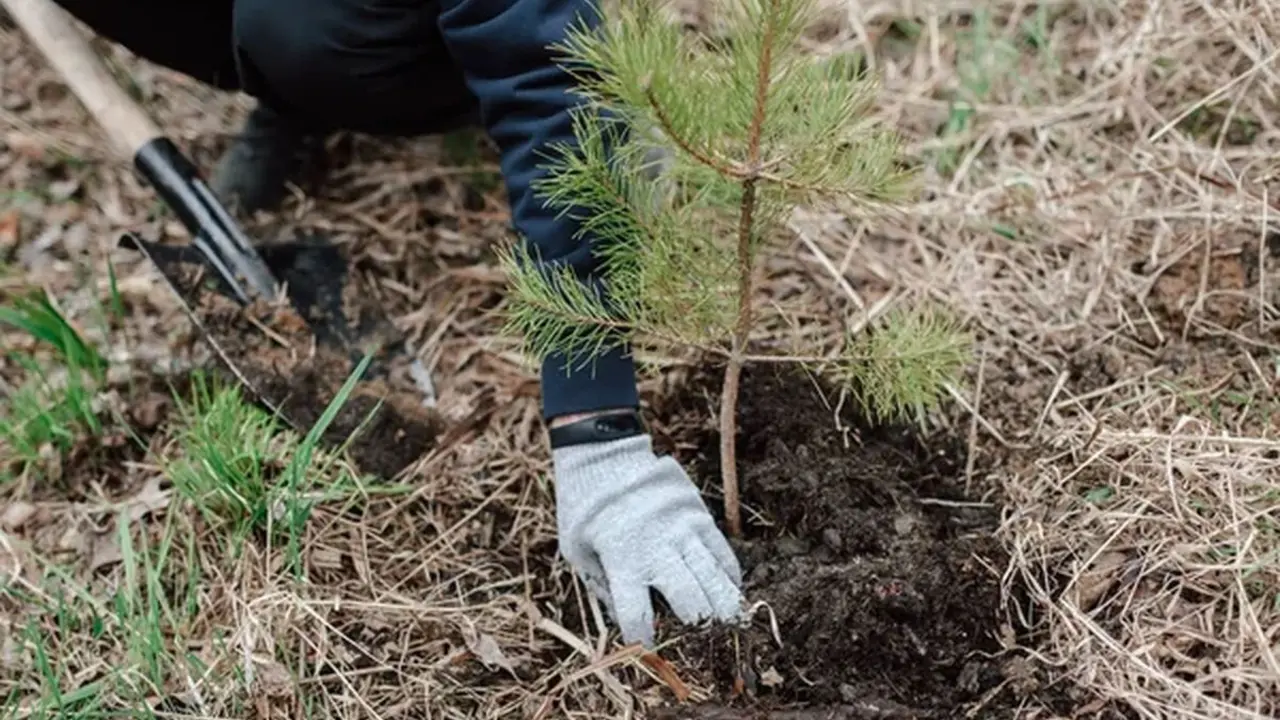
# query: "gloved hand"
{"type": "Point", "coordinates": [629, 520]}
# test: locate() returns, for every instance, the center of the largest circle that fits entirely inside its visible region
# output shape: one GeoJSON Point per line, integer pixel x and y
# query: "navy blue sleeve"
{"type": "Point", "coordinates": [504, 50]}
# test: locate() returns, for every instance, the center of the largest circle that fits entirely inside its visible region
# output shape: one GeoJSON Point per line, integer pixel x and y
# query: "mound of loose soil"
{"type": "Point", "coordinates": [881, 574]}
{"type": "Point", "coordinates": [297, 365]}
{"type": "Point", "coordinates": [387, 432]}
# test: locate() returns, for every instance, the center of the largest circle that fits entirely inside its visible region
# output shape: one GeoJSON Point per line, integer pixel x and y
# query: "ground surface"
{"type": "Point", "coordinates": [1086, 530]}
{"type": "Point", "coordinates": [877, 564]}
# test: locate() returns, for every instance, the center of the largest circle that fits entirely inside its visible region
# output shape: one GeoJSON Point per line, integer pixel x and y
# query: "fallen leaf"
{"type": "Point", "coordinates": [1095, 582]}
{"type": "Point", "coordinates": [106, 551]}
{"type": "Point", "coordinates": [667, 674]}
{"type": "Point", "coordinates": [149, 499]}
{"type": "Point", "coordinates": [61, 190]}
{"type": "Point", "coordinates": [771, 678]}
{"type": "Point", "coordinates": [486, 650]}
{"type": "Point", "coordinates": [105, 547]}
{"type": "Point", "coordinates": [17, 514]}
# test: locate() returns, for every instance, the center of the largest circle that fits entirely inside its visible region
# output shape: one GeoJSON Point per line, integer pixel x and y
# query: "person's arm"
{"type": "Point", "coordinates": [504, 49]}
{"type": "Point", "coordinates": [627, 520]}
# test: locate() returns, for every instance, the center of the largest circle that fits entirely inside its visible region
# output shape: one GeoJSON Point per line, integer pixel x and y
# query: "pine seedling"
{"type": "Point", "coordinates": [747, 129]}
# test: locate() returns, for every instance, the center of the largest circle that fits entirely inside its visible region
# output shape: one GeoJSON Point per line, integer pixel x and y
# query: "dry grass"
{"type": "Point", "coordinates": [1130, 369]}
{"type": "Point", "coordinates": [1100, 217]}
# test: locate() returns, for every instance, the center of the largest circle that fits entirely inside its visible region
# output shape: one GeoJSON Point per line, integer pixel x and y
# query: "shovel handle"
{"type": "Point", "coordinates": [139, 140]}
{"type": "Point", "coordinates": [53, 32]}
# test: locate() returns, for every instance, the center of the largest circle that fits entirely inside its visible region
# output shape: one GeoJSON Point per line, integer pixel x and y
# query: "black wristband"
{"type": "Point", "coordinates": [601, 428]}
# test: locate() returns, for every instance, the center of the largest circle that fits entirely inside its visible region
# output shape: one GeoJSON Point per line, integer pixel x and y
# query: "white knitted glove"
{"type": "Point", "coordinates": [629, 520]}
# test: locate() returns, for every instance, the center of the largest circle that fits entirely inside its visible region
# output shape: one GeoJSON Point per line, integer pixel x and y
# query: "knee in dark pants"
{"type": "Point", "coordinates": [191, 36]}
{"type": "Point", "coordinates": [378, 67]}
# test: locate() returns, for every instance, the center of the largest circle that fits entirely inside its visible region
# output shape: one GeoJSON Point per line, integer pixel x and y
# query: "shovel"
{"type": "Point", "coordinates": [282, 319]}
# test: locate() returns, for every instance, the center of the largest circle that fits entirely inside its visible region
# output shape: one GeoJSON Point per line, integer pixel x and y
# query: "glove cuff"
{"type": "Point", "coordinates": [601, 469]}
{"type": "Point", "coordinates": [598, 429]}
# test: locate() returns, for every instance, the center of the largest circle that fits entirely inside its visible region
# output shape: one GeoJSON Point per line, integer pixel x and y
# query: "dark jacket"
{"type": "Point", "coordinates": [503, 49]}
{"type": "Point", "coordinates": [392, 66]}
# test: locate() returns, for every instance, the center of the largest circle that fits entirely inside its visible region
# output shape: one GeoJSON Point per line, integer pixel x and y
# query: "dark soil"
{"type": "Point", "coordinates": [881, 573]}
{"type": "Point", "coordinates": [296, 366]}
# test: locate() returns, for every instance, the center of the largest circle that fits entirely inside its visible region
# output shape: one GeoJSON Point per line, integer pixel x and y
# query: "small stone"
{"type": "Point", "coordinates": [832, 539]}
{"type": "Point", "coordinates": [848, 693]}
{"type": "Point", "coordinates": [904, 524]}
{"type": "Point", "coordinates": [792, 547]}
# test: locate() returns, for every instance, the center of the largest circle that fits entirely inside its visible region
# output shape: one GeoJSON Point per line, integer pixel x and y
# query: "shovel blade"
{"type": "Point", "coordinates": [294, 354]}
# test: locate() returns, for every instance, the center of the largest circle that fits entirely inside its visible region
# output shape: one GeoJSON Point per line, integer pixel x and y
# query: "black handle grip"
{"type": "Point", "coordinates": [214, 233]}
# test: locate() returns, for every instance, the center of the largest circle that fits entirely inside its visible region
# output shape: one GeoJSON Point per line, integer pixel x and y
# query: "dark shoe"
{"type": "Point", "coordinates": [268, 153]}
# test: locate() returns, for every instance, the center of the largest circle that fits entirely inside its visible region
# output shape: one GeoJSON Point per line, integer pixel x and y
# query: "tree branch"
{"type": "Point", "coordinates": [726, 167]}
{"type": "Point", "coordinates": [702, 156]}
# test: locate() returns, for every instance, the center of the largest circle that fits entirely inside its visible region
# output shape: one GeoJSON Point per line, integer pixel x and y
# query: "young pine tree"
{"type": "Point", "coordinates": [747, 129]}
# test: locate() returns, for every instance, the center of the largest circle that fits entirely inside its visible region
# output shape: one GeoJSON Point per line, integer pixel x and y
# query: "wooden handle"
{"type": "Point", "coordinates": [51, 29]}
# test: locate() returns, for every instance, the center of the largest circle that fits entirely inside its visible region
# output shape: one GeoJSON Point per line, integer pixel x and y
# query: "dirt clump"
{"type": "Point", "coordinates": [882, 575]}
{"type": "Point", "coordinates": [1178, 293]}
